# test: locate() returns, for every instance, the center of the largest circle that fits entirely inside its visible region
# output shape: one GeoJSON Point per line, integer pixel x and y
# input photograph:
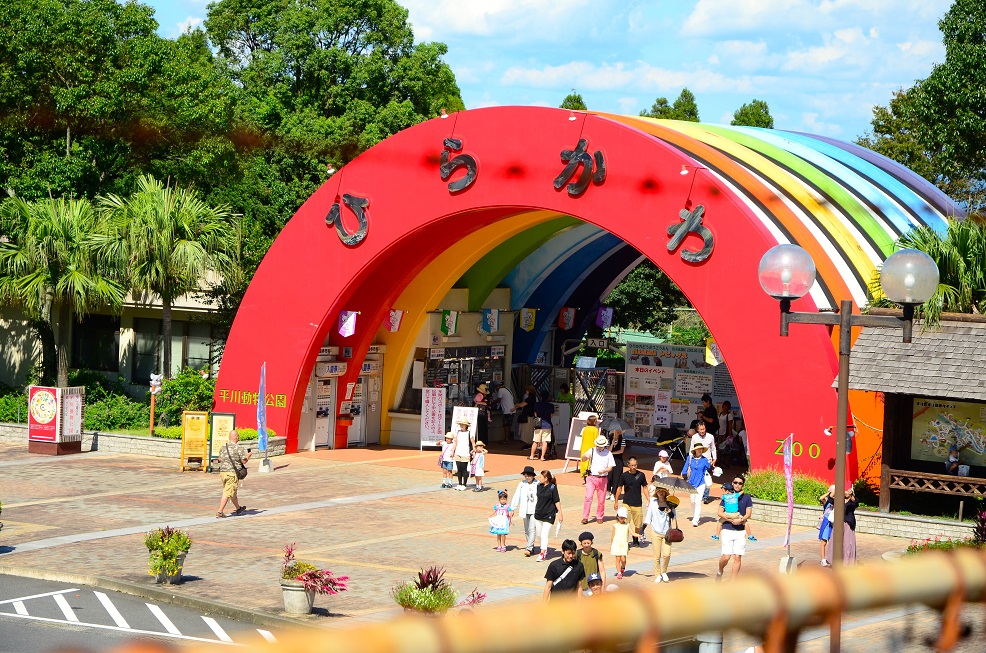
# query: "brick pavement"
{"type": "Point", "coordinates": [376, 515]}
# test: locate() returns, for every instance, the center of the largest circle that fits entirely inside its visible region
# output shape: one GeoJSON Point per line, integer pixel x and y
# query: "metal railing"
{"type": "Point", "coordinates": [775, 608]}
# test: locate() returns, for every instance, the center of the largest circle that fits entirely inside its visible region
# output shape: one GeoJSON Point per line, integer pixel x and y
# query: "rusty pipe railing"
{"type": "Point", "coordinates": [773, 607]}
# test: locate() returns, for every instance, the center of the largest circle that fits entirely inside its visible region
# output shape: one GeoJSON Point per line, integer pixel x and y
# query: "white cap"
{"type": "Point", "coordinates": [663, 453]}
{"type": "Point", "coordinates": [622, 512]}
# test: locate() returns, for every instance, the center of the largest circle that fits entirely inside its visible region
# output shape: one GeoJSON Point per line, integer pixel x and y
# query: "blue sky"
{"type": "Point", "coordinates": [821, 65]}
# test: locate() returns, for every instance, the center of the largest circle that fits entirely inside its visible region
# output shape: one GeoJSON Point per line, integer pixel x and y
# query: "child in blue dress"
{"type": "Point", "coordinates": [500, 521]}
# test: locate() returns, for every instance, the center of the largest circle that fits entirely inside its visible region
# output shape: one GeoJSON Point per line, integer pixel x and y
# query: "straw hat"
{"type": "Point", "coordinates": [601, 441]}
{"type": "Point", "coordinates": [462, 421]}
{"type": "Point", "coordinates": [673, 501]}
{"type": "Point", "coordinates": [698, 445]}
{"type": "Point", "coordinates": [482, 388]}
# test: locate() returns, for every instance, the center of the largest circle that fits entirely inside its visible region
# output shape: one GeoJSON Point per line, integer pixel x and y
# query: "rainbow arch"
{"type": "Point", "coordinates": [512, 228]}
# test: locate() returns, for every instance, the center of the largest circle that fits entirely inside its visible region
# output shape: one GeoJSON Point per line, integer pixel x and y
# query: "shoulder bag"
{"type": "Point", "coordinates": [674, 534]}
{"type": "Point", "coordinates": [238, 468]}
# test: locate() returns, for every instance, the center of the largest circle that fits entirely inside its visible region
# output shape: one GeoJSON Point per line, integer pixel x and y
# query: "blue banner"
{"type": "Point", "coordinates": [262, 410]}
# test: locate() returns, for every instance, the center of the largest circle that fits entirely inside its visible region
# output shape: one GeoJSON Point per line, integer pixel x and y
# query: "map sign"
{"type": "Point", "coordinates": [937, 424]}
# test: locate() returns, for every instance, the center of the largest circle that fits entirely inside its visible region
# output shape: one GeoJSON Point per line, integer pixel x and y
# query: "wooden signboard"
{"type": "Point", "coordinates": [573, 448]}
{"type": "Point", "coordinates": [220, 424]}
{"type": "Point", "coordinates": [194, 440]}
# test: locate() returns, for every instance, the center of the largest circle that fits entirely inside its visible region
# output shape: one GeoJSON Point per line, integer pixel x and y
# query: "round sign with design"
{"type": "Point", "coordinates": [43, 406]}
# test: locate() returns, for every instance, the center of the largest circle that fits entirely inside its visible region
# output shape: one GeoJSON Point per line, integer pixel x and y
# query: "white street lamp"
{"type": "Point", "coordinates": [908, 277]}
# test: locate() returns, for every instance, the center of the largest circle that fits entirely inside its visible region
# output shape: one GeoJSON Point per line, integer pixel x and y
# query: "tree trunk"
{"type": "Point", "coordinates": [68, 142]}
{"type": "Point", "coordinates": [48, 361]}
{"type": "Point", "coordinates": [166, 336]}
{"type": "Point", "coordinates": [64, 327]}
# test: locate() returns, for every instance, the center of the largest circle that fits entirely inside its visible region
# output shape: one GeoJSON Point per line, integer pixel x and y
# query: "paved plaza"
{"type": "Point", "coordinates": [376, 515]}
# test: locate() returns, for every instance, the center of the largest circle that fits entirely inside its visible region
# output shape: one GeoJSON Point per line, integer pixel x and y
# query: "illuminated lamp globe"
{"type": "Point", "coordinates": [786, 272]}
{"type": "Point", "coordinates": [909, 276]}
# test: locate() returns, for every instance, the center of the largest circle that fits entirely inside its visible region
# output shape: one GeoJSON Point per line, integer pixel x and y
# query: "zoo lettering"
{"type": "Point", "coordinates": [814, 450]}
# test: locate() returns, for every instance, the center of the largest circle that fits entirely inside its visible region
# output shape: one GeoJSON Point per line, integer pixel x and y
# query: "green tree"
{"type": "Point", "coordinates": [55, 266]}
{"type": "Point", "coordinates": [684, 108]}
{"type": "Point", "coordinates": [573, 101]}
{"type": "Point", "coordinates": [753, 114]}
{"type": "Point", "coordinates": [645, 300]}
{"type": "Point", "coordinates": [960, 254]}
{"type": "Point", "coordinates": [170, 241]}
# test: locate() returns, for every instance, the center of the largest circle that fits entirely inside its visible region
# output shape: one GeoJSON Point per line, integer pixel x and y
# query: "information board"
{"type": "Point", "coordinates": [43, 413]}
{"type": "Point", "coordinates": [938, 424]}
{"type": "Point", "coordinates": [220, 424]}
{"type": "Point", "coordinates": [194, 440]}
{"type": "Point", "coordinates": [432, 417]}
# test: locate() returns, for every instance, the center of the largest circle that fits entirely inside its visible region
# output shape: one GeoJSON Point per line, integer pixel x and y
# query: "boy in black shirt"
{"type": "Point", "coordinates": [564, 574]}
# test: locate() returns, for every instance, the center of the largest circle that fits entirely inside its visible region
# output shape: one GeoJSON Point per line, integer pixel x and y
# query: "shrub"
{"type": "Point", "coordinates": [174, 433]}
{"type": "Point", "coordinates": [13, 407]}
{"type": "Point", "coordinates": [769, 485]}
{"type": "Point", "coordinates": [187, 391]}
{"type": "Point", "coordinates": [165, 546]}
{"type": "Point", "coordinates": [97, 385]}
{"type": "Point", "coordinates": [867, 492]}
{"type": "Point", "coordinates": [320, 581]}
{"type": "Point", "coordinates": [430, 592]}
{"type": "Point", "coordinates": [116, 412]}
{"type": "Point", "coordinates": [940, 544]}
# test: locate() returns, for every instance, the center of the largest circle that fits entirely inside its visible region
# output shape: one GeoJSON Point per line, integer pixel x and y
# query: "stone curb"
{"type": "Point", "coordinates": [162, 595]}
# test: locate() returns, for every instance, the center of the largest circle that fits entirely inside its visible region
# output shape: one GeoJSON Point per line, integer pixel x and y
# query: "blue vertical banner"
{"type": "Point", "coordinates": [262, 410]}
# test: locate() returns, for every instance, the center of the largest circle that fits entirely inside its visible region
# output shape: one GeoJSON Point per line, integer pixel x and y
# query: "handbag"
{"type": "Point", "coordinates": [241, 471]}
{"type": "Point", "coordinates": [708, 479]}
{"type": "Point", "coordinates": [674, 534]}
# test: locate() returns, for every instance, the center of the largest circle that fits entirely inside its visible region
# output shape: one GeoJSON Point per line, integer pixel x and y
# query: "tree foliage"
{"type": "Point", "coordinates": [645, 300]}
{"type": "Point", "coordinates": [573, 101]}
{"type": "Point", "coordinates": [753, 114]}
{"type": "Point", "coordinates": [683, 108]}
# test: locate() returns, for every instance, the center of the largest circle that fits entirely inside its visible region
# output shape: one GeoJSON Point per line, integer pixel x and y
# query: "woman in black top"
{"type": "Point", "coordinates": [617, 445]}
{"type": "Point", "coordinates": [546, 509]}
{"type": "Point", "coordinates": [849, 532]}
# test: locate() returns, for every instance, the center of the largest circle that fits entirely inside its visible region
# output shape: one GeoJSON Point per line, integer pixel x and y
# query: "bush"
{"type": "Point", "coordinates": [174, 433]}
{"type": "Point", "coordinates": [13, 407]}
{"type": "Point", "coordinates": [116, 412]}
{"type": "Point", "coordinates": [867, 492]}
{"type": "Point", "coordinates": [939, 544]}
{"type": "Point", "coordinates": [97, 385]}
{"type": "Point", "coordinates": [769, 485]}
{"type": "Point", "coordinates": [187, 391]}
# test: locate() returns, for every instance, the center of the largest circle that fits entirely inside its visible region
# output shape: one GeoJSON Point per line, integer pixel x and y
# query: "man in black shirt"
{"type": "Point", "coordinates": [631, 486]}
{"type": "Point", "coordinates": [709, 416]}
{"type": "Point", "coordinates": [564, 574]}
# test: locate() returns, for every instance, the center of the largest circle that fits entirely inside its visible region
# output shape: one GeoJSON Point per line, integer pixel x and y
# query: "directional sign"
{"type": "Point", "coordinates": [600, 343]}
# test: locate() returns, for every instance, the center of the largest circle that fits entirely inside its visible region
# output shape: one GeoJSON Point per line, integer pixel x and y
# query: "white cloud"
{"type": "Point", "coordinates": [811, 124]}
{"type": "Point", "coordinates": [189, 23]}
{"type": "Point", "coordinates": [628, 105]}
{"type": "Point", "coordinates": [622, 76]}
{"type": "Point", "coordinates": [442, 18]}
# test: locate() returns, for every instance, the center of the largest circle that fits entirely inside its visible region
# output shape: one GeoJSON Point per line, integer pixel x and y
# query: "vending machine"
{"type": "Point", "coordinates": [364, 405]}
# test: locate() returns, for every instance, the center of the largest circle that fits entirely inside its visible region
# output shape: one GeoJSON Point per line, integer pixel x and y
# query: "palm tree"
{"type": "Point", "coordinates": [51, 264]}
{"type": "Point", "coordinates": [169, 240]}
{"type": "Point", "coordinates": [960, 254]}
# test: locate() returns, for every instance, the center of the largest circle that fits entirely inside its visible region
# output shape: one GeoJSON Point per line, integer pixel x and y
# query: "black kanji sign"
{"type": "Point", "coordinates": [692, 225]}
{"type": "Point", "coordinates": [358, 206]}
{"type": "Point", "coordinates": [450, 164]}
{"type": "Point", "coordinates": [593, 167]}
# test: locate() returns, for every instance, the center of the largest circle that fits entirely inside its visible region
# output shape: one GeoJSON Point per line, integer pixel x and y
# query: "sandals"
{"type": "Point", "coordinates": [752, 539]}
{"type": "Point", "coordinates": [715, 537]}
{"type": "Point", "coordinates": [220, 515]}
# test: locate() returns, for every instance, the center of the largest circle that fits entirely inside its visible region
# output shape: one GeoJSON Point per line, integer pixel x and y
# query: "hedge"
{"type": "Point", "coordinates": [174, 433]}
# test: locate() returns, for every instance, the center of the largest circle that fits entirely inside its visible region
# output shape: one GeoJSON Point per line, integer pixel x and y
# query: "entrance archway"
{"type": "Point", "coordinates": [422, 236]}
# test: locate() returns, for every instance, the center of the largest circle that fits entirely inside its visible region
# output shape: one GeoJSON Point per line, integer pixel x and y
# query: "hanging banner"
{"type": "Point", "coordinates": [789, 482]}
{"type": "Point", "coordinates": [527, 318]}
{"type": "Point", "coordinates": [491, 320]}
{"type": "Point", "coordinates": [566, 318]}
{"type": "Point", "coordinates": [347, 323]}
{"type": "Point", "coordinates": [394, 323]}
{"type": "Point", "coordinates": [432, 417]}
{"type": "Point", "coordinates": [262, 410]}
{"type": "Point", "coordinates": [604, 319]}
{"type": "Point", "coordinates": [712, 354]}
{"type": "Point", "coordinates": [450, 320]}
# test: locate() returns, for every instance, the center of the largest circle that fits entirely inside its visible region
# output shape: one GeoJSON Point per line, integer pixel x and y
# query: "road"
{"type": "Point", "coordinates": [37, 615]}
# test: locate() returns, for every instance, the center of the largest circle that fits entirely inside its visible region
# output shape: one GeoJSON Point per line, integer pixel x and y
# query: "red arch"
{"type": "Point", "coordinates": [309, 276]}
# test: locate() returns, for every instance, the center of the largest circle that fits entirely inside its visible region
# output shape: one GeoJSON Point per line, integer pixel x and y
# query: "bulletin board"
{"type": "Point", "coordinates": [194, 440]}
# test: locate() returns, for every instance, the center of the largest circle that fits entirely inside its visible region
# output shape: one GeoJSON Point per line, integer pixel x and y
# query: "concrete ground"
{"type": "Point", "coordinates": [376, 515]}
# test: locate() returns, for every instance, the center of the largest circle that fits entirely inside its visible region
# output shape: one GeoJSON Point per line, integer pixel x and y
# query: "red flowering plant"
{"type": "Point", "coordinates": [320, 581]}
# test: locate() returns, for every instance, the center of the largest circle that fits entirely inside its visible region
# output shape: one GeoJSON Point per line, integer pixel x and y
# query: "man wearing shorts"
{"type": "Point", "coordinates": [733, 537]}
{"type": "Point", "coordinates": [543, 411]}
{"type": "Point", "coordinates": [231, 458]}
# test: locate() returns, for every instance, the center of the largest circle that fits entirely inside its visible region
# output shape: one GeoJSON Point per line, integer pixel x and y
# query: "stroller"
{"type": "Point", "coordinates": [550, 453]}
{"type": "Point", "coordinates": [732, 452]}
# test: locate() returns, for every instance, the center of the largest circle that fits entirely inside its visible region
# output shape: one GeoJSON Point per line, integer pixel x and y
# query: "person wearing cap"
{"type": "Point", "coordinates": [694, 471]}
{"type": "Point", "coordinates": [620, 545]}
{"type": "Point", "coordinates": [524, 503]}
{"type": "Point", "coordinates": [631, 489]}
{"type": "Point", "coordinates": [707, 440]}
{"type": "Point", "coordinates": [564, 574]}
{"type": "Point", "coordinates": [662, 468]}
{"type": "Point", "coordinates": [600, 463]}
{"type": "Point", "coordinates": [591, 558]}
{"type": "Point", "coordinates": [660, 512]}
{"type": "Point", "coordinates": [595, 582]}
{"type": "Point", "coordinates": [447, 459]}
{"type": "Point", "coordinates": [463, 444]}
{"type": "Point", "coordinates": [483, 421]}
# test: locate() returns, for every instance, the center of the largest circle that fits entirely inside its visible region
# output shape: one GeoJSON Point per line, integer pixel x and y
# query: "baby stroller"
{"type": "Point", "coordinates": [732, 452]}
{"type": "Point", "coordinates": [549, 453]}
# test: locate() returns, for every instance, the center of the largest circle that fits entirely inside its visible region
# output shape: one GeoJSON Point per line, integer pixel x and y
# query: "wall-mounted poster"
{"type": "Point", "coordinates": [937, 424]}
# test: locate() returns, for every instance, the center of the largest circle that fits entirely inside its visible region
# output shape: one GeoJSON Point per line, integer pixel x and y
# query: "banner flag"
{"type": "Point", "coordinates": [491, 320]}
{"type": "Point", "coordinates": [789, 482]}
{"type": "Point", "coordinates": [347, 323]}
{"type": "Point", "coordinates": [604, 319]}
{"type": "Point", "coordinates": [713, 356]}
{"type": "Point", "coordinates": [566, 318]}
{"type": "Point", "coordinates": [450, 319]}
{"type": "Point", "coordinates": [262, 410]}
{"type": "Point", "coordinates": [394, 324]}
{"type": "Point", "coordinates": [527, 318]}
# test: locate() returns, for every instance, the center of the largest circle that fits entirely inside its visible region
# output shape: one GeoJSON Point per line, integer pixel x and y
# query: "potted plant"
{"type": "Point", "coordinates": [301, 581]}
{"type": "Point", "coordinates": [168, 547]}
{"type": "Point", "coordinates": [430, 593]}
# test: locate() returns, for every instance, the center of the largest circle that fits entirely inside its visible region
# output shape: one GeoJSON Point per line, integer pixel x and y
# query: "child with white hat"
{"type": "Point", "coordinates": [621, 540]}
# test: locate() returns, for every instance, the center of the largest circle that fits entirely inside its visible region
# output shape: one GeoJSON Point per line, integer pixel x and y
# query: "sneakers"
{"type": "Point", "coordinates": [239, 511]}
{"type": "Point", "coordinates": [478, 489]}
{"type": "Point", "coordinates": [528, 553]}
{"type": "Point", "coordinates": [609, 496]}
{"type": "Point", "coordinates": [695, 523]}
{"type": "Point", "coordinates": [665, 578]}
{"type": "Point", "coordinates": [715, 537]}
{"type": "Point", "coordinates": [658, 579]}
{"type": "Point", "coordinates": [752, 539]}
{"type": "Point", "coordinates": [542, 556]}
{"type": "Point", "coordinates": [643, 540]}
{"type": "Point", "coordinates": [718, 576]}
{"type": "Point", "coordinates": [619, 574]}
{"type": "Point", "coordinates": [501, 549]}
{"type": "Point", "coordinates": [826, 563]}
{"type": "Point", "coordinates": [460, 487]}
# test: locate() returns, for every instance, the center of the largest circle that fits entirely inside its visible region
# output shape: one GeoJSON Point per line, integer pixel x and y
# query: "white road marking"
{"type": "Point", "coordinates": [266, 635]}
{"type": "Point", "coordinates": [117, 628]}
{"type": "Point", "coordinates": [19, 608]}
{"type": "Point", "coordinates": [66, 608]}
{"type": "Point", "coordinates": [111, 609]}
{"type": "Point", "coordinates": [38, 596]}
{"type": "Point", "coordinates": [217, 629]}
{"type": "Point", "coordinates": [163, 618]}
